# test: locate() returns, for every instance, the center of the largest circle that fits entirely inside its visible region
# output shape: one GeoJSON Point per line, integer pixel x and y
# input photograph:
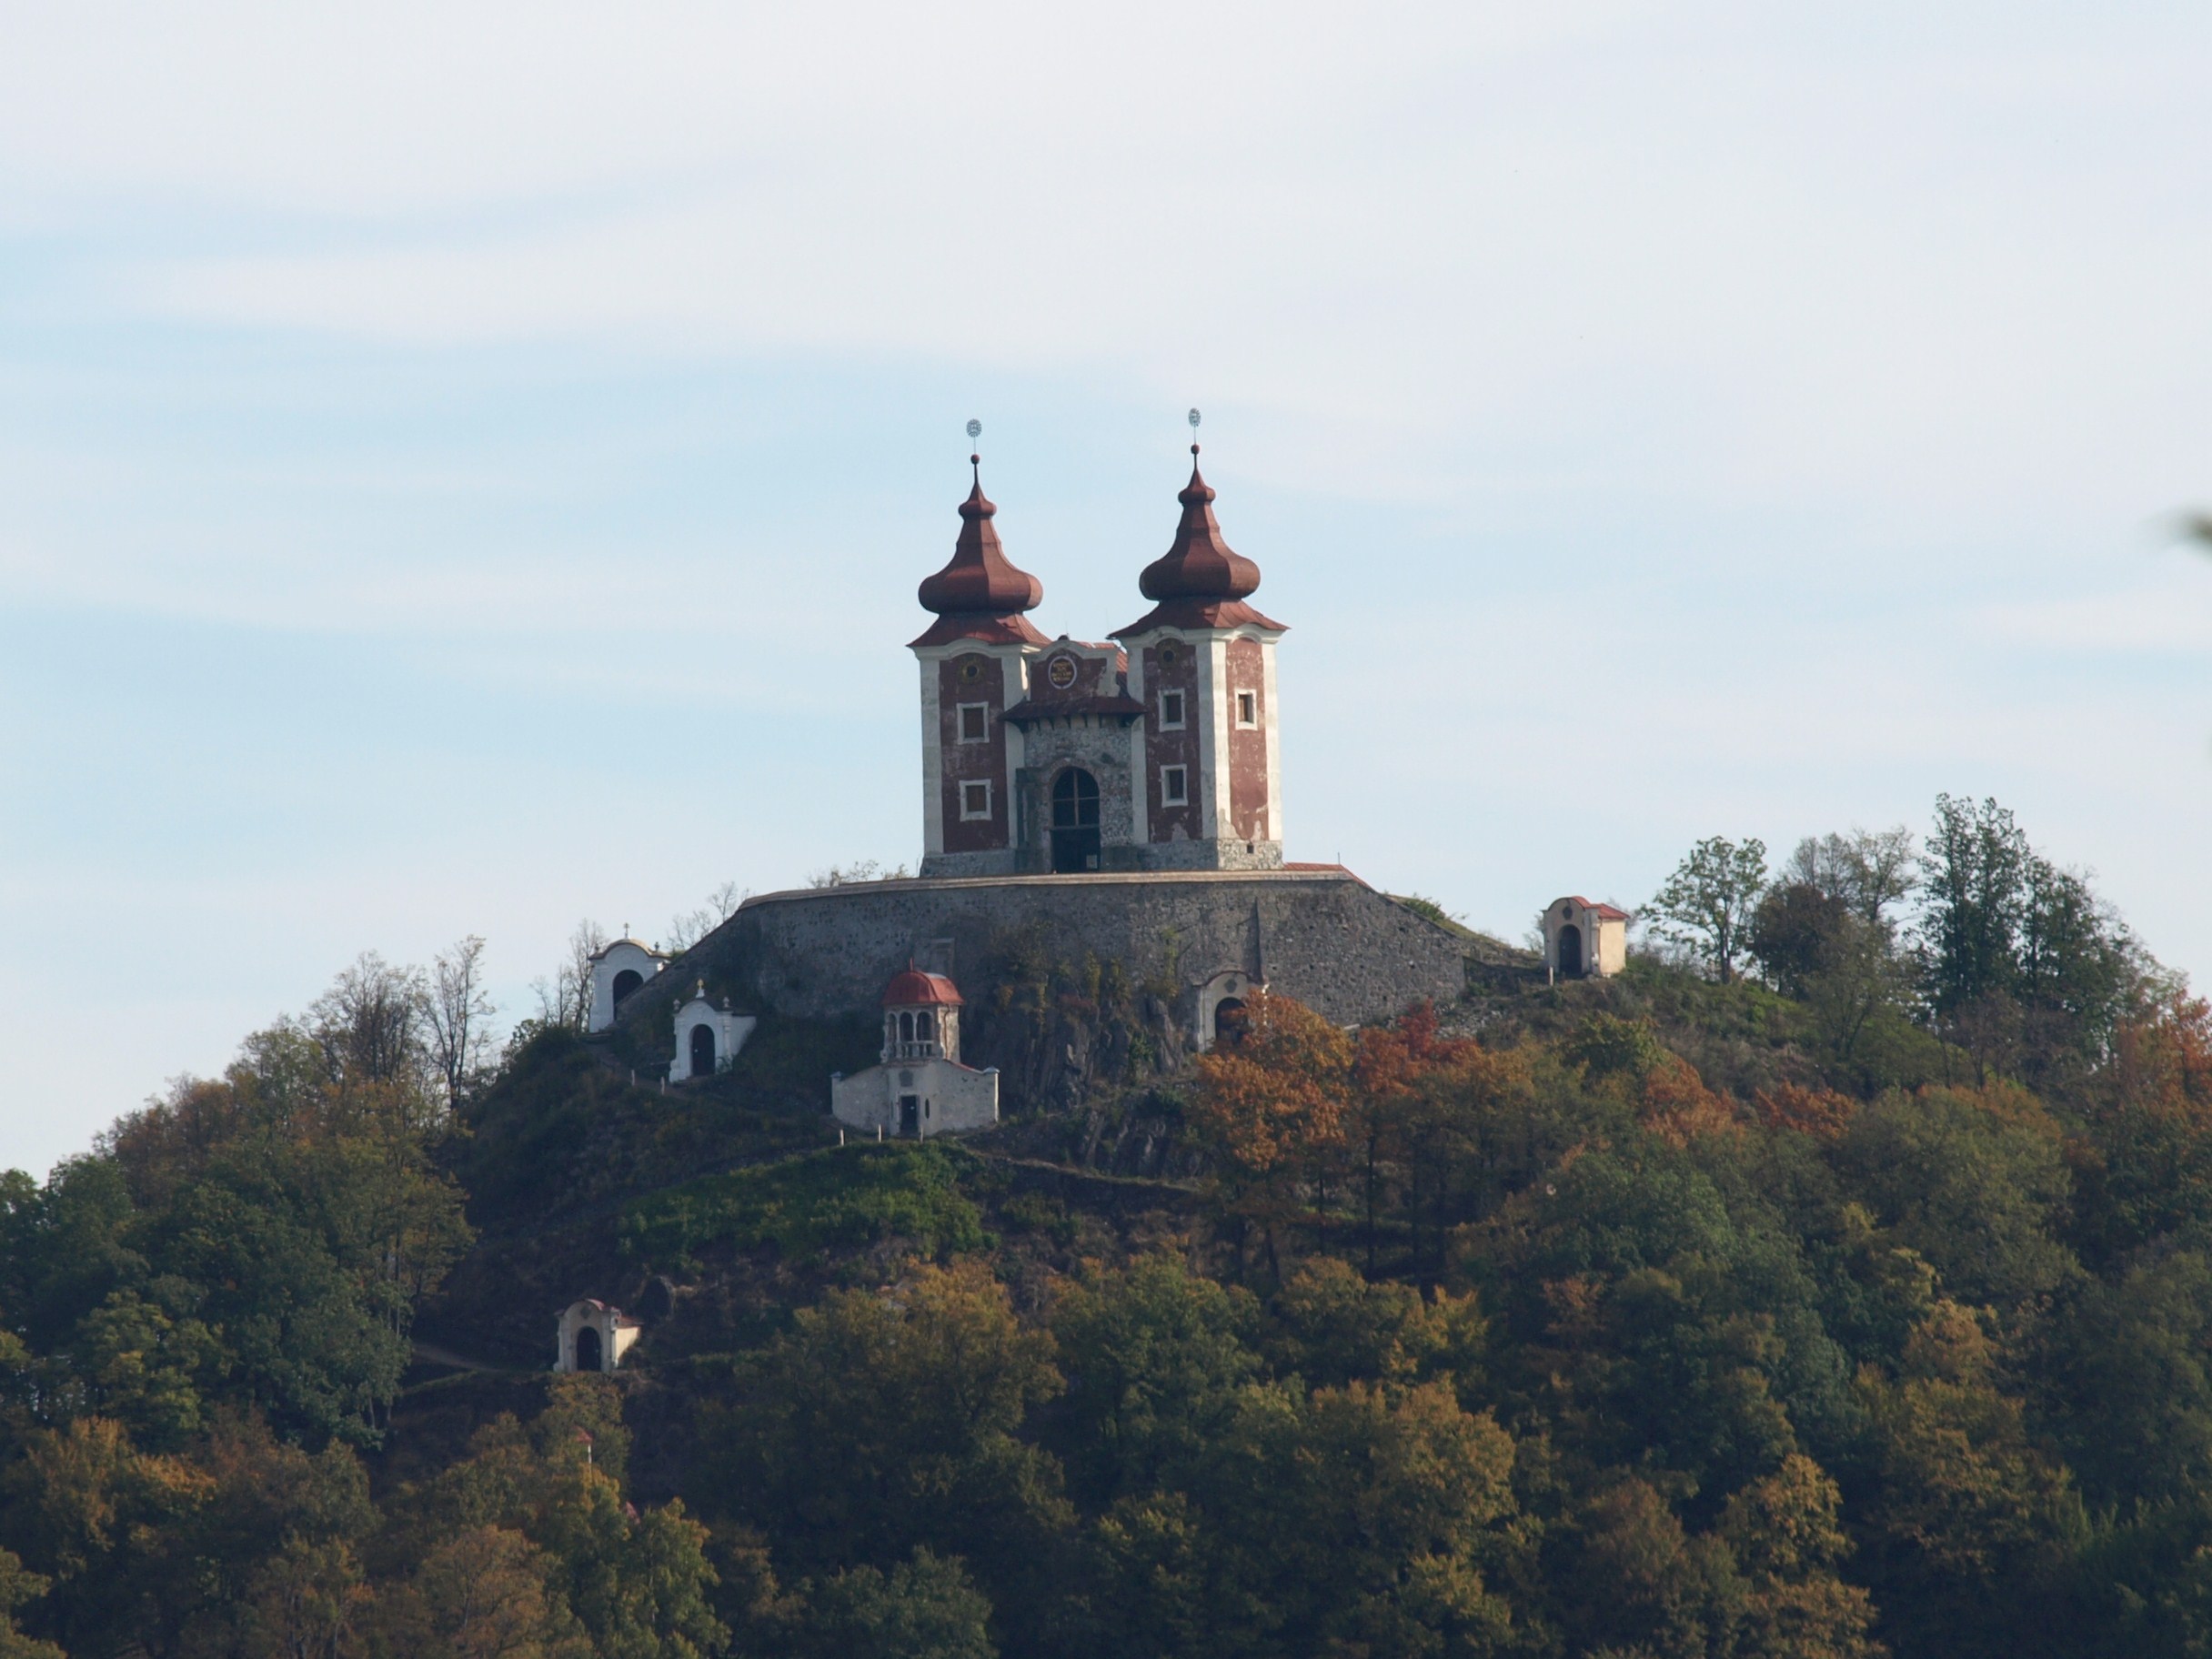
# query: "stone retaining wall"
{"type": "Point", "coordinates": [1319, 935]}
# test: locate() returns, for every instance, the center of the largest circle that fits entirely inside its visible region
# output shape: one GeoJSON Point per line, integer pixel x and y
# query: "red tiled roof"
{"type": "Point", "coordinates": [1605, 911]}
{"type": "Point", "coordinates": [914, 989]}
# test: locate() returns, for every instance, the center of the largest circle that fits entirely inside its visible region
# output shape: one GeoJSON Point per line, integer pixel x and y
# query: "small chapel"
{"type": "Point", "coordinates": [1153, 751]}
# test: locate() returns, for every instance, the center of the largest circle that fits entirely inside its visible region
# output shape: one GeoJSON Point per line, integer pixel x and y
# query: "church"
{"type": "Point", "coordinates": [1154, 751]}
{"type": "Point", "coordinates": [1114, 803]}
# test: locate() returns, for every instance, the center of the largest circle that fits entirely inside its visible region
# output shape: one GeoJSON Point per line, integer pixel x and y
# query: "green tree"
{"type": "Point", "coordinates": [1708, 903]}
{"type": "Point", "coordinates": [1156, 1355]}
{"type": "Point", "coordinates": [923, 1608]}
{"type": "Point", "coordinates": [1974, 1183]}
{"type": "Point", "coordinates": [18, 1587]}
{"type": "Point", "coordinates": [887, 1420]}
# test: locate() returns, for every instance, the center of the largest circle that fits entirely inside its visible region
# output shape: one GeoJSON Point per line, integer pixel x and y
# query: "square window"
{"type": "Point", "coordinates": [1171, 711]}
{"type": "Point", "coordinates": [1175, 786]}
{"type": "Point", "coordinates": [1248, 708]}
{"type": "Point", "coordinates": [975, 801]}
{"type": "Point", "coordinates": [975, 722]}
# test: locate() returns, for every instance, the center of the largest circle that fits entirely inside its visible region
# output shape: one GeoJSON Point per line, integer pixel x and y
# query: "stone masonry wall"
{"type": "Point", "coordinates": [1322, 936]}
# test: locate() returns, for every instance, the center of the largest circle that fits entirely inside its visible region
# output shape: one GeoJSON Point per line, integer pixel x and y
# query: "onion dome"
{"type": "Point", "coordinates": [914, 989]}
{"type": "Point", "coordinates": [980, 594]}
{"type": "Point", "coordinates": [1200, 581]}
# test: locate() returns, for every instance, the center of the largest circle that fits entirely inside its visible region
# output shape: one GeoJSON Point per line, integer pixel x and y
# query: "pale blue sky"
{"type": "Point", "coordinates": [466, 469]}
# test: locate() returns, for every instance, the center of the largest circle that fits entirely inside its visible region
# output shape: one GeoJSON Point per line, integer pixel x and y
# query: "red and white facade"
{"type": "Point", "coordinates": [1158, 752]}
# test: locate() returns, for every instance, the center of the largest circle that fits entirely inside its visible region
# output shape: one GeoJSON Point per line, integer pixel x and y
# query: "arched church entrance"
{"type": "Point", "coordinates": [1231, 1019]}
{"type": "Point", "coordinates": [1570, 951]}
{"type": "Point", "coordinates": [1075, 821]}
{"type": "Point", "coordinates": [587, 1349]}
{"type": "Point", "coordinates": [627, 980]}
{"type": "Point", "coordinates": [702, 1050]}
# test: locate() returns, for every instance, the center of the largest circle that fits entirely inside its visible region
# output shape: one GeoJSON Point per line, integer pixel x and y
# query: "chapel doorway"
{"type": "Point", "coordinates": [627, 980]}
{"type": "Point", "coordinates": [702, 1050]}
{"type": "Point", "coordinates": [1570, 951]}
{"type": "Point", "coordinates": [1075, 822]}
{"type": "Point", "coordinates": [587, 1349]}
{"type": "Point", "coordinates": [1231, 1020]}
{"type": "Point", "coordinates": [910, 1116]}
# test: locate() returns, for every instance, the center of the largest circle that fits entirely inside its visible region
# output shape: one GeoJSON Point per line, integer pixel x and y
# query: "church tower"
{"type": "Point", "coordinates": [974, 662]}
{"type": "Point", "coordinates": [1201, 663]}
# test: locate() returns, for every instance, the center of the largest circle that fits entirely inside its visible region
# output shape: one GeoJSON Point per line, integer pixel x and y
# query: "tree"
{"type": "Point", "coordinates": [1975, 871]}
{"type": "Point", "coordinates": [1794, 933]}
{"type": "Point", "coordinates": [459, 1014]}
{"type": "Point", "coordinates": [689, 928]}
{"type": "Point", "coordinates": [924, 1608]}
{"type": "Point", "coordinates": [371, 1024]}
{"type": "Point", "coordinates": [1156, 1354]}
{"type": "Point", "coordinates": [564, 1000]}
{"type": "Point", "coordinates": [1865, 871]}
{"type": "Point", "coordinates": [884, 1419]}
{"type": "Point", "coordinates": [16, 1588]}
{"type": "Point", "coordinates": [1707, 903]}
{"type": "Point", "coordinates": [2021, 958]}
{"type": "Point", "coordinates": [1273, 1104]}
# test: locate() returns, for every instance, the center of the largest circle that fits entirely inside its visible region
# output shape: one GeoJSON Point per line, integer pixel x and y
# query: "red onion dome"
{"type": "Point", "coordinates": [1200, 566]}
{"type": "Point", "coordinates": [979, 579]}
{"type": "Point", "coordinates": [914, 989]}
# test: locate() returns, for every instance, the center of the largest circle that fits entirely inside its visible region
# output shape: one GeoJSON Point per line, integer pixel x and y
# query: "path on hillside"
{"type": "Point", "coordinates": [430, 1353]}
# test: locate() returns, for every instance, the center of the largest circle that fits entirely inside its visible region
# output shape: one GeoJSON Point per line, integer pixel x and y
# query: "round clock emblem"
{"type": "Point", "coordinates": [1061, 673]}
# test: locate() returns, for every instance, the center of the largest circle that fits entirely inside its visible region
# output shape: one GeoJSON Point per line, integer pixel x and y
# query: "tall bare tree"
{"type": "Point", "coordinates": [459, 1014]}
{"type": "Point", "coordinates": [370, 1024]}
{"type": "Point", "coordinates": [688, 928]}
{"type": "Point", "coordinates": [1867, 870]}
{"type": "Point", "coordinates": [566, 998]}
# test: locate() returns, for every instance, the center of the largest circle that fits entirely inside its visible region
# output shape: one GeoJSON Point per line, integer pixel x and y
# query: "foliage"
{"type": "Point", "coordinates": [845, 1195]}
{"type": "Point", "coordinates": [1861, 1307]}
{"type": "Point", "coordinates": [1708, 903]}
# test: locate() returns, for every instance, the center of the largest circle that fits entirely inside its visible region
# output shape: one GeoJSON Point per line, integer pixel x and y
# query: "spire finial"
{"type": "Point", "coordinates": [1193, 419]}
{"type": "Point", "coordinates": [975, 430]}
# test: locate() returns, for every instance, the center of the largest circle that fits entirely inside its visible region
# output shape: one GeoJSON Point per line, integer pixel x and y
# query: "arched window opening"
{"type": "Point", "coordinates": [587, 1349]}
{"type": "Point", "coordinates": [906, 1027]}
{"type": "Point", "coordinates": [627, 980]}
{"type": "Point", "coordinates": [925, 1027]}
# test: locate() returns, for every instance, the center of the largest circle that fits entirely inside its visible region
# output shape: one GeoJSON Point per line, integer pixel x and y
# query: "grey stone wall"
{"type": "Point", "coordinates": [1322, 936]}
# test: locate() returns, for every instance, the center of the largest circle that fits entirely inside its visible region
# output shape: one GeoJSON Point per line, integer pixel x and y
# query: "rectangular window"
{"type": "Point", "coordinates": [1175, 786]}
{"type": "Point", "coordinates": [1171, 711]}
{"type": "Point", "coordinates": [1248, 708]}
{"type": "Point", "coordinates": [975, 722]}
{"type": "Point", "coordinates": [975, 801]}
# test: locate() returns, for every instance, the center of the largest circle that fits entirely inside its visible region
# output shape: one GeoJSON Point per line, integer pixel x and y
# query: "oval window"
{"type": "Point", "coordinates": [1061, 672]}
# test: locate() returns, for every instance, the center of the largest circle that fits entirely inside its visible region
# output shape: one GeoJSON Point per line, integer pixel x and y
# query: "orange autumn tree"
{"type": "Point", "coordinates": [1272, 1106]}
{"type": "Point", "coordinates": [1390, 1066]}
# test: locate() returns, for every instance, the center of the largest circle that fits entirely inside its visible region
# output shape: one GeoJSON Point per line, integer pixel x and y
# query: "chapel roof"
{"type": "Point", "coordinates": [1200, 581]}
{"type": "Point", "coordinates": [911, 988]}
{"type": "Point", "coordinates": [980, 593]}
{"type": "Point", "coordinates": [1607, 912]}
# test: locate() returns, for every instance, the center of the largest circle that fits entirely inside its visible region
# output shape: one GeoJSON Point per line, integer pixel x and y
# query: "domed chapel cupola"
{"type": "Point", "coordinates": [980, 594]}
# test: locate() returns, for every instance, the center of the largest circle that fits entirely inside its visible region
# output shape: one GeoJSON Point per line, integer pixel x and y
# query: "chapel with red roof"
{"type": "Point", "coordinates": [1153, 750]}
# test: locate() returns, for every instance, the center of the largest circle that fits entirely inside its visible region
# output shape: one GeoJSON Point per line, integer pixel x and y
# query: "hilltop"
{"type": "Point", "coordinates": [1839, 1287]}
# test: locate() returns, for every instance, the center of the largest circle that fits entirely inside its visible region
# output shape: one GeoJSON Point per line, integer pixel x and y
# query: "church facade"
{"type": "Point", "coordinates": [1153, 750]}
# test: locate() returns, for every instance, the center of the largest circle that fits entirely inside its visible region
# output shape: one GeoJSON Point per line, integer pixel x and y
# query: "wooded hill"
{"type": "Point", "coordinates": [1836, 1281]}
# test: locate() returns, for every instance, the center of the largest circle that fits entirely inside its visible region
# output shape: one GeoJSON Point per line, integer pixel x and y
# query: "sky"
{"type": "Point", "coordinates": [465, 469]}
